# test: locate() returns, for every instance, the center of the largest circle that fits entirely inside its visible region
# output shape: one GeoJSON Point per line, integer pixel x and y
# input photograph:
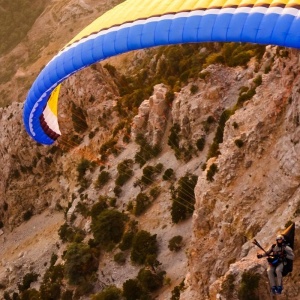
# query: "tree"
{"type": "Point", "coordinates": [183, 198]}
{"type": "Point", "coordinates": [132, 290]}
{"type": "Point", "coordinates": [108, 227]}
{"type": "Point", "coordinates": [98, 207]}
{"type": "Point", "coordinates": [142, 203]}
{"type": "Point", "coordinates": [144, 244]}
{"type": "Point", "coordinates": [80, 263]}
{"type": "Point", "coordinates": [82, 168]}
{"type": "Point", "coordinates": [27, 280]}
{"type": "Point", "coordinates": [52, 281]}
{"type": "Point", "coordinates": [149, 280]}
{"type": "Point", "coordinates": [102, 179]}
{"type": "Point", "coordinates": [175, 243]}
{"type": "Point", "coordinates": [109, 293]}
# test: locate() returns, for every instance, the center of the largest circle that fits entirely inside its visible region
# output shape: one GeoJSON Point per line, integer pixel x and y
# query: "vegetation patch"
{"type": "Point", "coordinates": [183, 198]}
{"type": "Point", "coordinates": [108, 227]}
{"type": "Point", "coordinates": [124, 172]}
{"type": "Point", "coordinates": [146, 151]}
{"type": "Point", "coordinates": [175, 243]}
{"type": "Point", "coordinates": [144, 244]}
{"type": "Point", "coordinates": [248, 289]}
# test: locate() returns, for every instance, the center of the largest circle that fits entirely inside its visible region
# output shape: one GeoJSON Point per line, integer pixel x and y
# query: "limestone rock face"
{"type": "Point", "coordinates": [255, 191]}
{"type": "Point", "coordinates": [151, 119]}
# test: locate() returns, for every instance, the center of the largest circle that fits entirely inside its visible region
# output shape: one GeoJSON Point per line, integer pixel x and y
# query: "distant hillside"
{"type": "Point", "coordinates": [16, 19]}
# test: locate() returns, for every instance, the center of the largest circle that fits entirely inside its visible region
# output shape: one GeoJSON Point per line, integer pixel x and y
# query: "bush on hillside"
{"type": "Point", "coordinates": [142, 202]}
{"type": "Point", "coordinates": [109, 293]}
{"type": "Point", "coordinates": [80, 263]}
{"type": "Point", "coordinates": [150, 281]}
{"type": "Point", "coordinates": [133, 290]}
{"type": "Point", "coordinates": [124, 172]}
{"type": "Point", "coordinates": [175, 243]}
{"type": "Point", "coordinates": [168, 174]}
{"type": "Point", "coordinates": [144, 244]}
{"type": "Point", "coordinates": [102, 179]}
{"type": "Point", "coordinates": [248, 289]}
{"type": "Point", "coordinates": [183, 198]}
{"type": "Point", "coordinates": [108, 227]}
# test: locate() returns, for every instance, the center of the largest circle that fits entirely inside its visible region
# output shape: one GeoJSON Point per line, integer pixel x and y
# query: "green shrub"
{"type": "Point", "coordinates": [144, 244]}
{"type": "Point", "coordinates": [118, 127]}
{"type": "Point", "coordinates": [99, 207]}
{"type": "Point", "coordinates": [258, 80]}
{"type": "Point", "coordinates": [120, 258]}
{"type": "Point", "coordinates": [31, 294]}
{"type": "Point", "coordinates": [85, 286]}
{"type": "Point", "coordinates": [52, 282]}
{"type": "Point", "coordinates": [194, 89]}
{"type": "Point", "coordinates": [248, 289]}
{"type": "Point", "coordinates": [169, 174]}
{"type": "Point", "coordinates": [183, 198]}
{"type": "Point", "coordinates": [214, 148]}
{"type": "Point", "coordinates": [109, 293]}
{"type": "Point", "coordinates": [228, 286]}
{"type": "Point", "coordinates": [6, 296]}
{"type": "Point", "coordinates": [27, 280]}
{"type": "Point", "coordinates": [112, 201]}
{"type": "Point", "coordinates": [170, 96]}
{"type": "Point", "coordinates": [53, 259]}
{"type": "Point", "coordinates": [133, 290]}
{"type": "Point", "coordinates": [80, 262]}
{"type": "Point", "coordinates": [154, 192]}
{"type": "Point", "coordinates": [82, 167]}
{"type": "Point", "coordinates": [200, 143]}
{"type": "Point", "coordinates": [107, 148]}
{"type": "Point", "coordinates": [127, 239]}
{"type": "Point", "coordinates": [175, 243]}
{"type": "Point", "coordinates": [174, 138]}
{"type": "Point", "coordinates": [177, 290]}
{"type": "Point", "coordinates": [148, 174]}
{"type": "Point", "coordinates": [124, 172]}
{"type": "Point", "coordinates": [215, 58]}
{"type": "Point", "coordinates": [150, 281]}
{"type": "Point", "coordinates": [146, 151]}
{"type": "Point", "coordinates": [82, 209]}
{"type": "Point", "coordinates": [67, 295]}
{"type": "Point", "coordinates": [152, 262]}
{"type": "Point", "coordinates": [244, 96]}
{"type": "Point", "coordinates": [267, 69]}
{"type": "Point", "coordinates": [213, 169]}
{"type": "Point", "coordinates": [117, 190]}
{"type": "Point", "coordinates": [78, 119]}
{"type": "Point", "coordinates": [142, 202]}
{"type": "Point", "coordinates": [102, 179]}
{"type": "Point", "coordinates": [108, 227]}
{"type": "Point", "coordinates": [68, 233]}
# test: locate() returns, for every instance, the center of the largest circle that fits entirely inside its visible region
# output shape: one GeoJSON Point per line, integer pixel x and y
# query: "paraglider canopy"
{"type": "Point", "coordinates": [142, 24]}
{"type": "Point", "coordinates": [289, 235]}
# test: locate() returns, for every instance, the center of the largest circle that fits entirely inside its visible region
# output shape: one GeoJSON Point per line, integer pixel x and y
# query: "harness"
{"type": "Point", "coordinates": [276, 260]}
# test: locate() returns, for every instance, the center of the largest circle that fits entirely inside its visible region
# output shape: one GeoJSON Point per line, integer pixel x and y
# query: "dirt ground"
{"type": "Point", "coordinates": [29, 247]}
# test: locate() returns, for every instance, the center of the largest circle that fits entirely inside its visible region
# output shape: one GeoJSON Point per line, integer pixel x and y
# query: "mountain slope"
{"type": "Point", "coordinates": [247, 188]}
